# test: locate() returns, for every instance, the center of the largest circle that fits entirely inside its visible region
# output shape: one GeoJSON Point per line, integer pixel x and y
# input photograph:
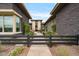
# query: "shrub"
{"type": "Point", "coordinates": [26, 27]}
{"type": "Point", "coordinates": [16, 51]}
{"type": "Point", "coordinates": [48, 33]}
{"type": "Point", "coordinates": [30, 33]}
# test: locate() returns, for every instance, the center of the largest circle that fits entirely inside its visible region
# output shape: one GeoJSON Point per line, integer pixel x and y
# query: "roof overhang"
{"type": "Point", "coordinates": [9, 12]}
{"type": "Point", "coordinates": [23, 9]}
{"type": "Point", "coordinates": [57, 7]}
{"type": "Point", "coordinates": [52, 17]}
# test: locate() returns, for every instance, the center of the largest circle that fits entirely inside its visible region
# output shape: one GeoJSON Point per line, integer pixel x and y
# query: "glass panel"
{"type": "Point", "coordinates": [8, 24]}
{"type": "Point", "coordinates": [17, 24]}
{"type": "Point", "coordinates": [1, 23]}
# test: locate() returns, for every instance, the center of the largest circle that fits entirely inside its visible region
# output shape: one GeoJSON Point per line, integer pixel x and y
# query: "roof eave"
{"type": "Point", "coordinates": [21, 5]}
{"type": "Point", "coordinates": [57, 7]}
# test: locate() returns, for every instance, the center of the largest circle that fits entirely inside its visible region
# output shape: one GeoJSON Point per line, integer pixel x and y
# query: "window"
{"type": "Point", "coordinates": [18, 24]}
{"type": "Point", "coordinates": [1, 23]}
{"type": "Point", "coordinates": [8, 24]}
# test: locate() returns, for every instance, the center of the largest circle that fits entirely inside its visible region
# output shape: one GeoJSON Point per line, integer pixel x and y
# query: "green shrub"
{"type": "Point", "coordinates": [16, 51]}
{"type": "Point", "coordinates": [48, 33]}
{"type": "Point", "coordinates": [26, 28]}
{"type": "Point", "coordinates": [30, 33]}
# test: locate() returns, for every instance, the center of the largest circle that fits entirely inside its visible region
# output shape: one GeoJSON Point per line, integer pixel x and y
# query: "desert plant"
{"type": "Point", "coordinates": [16, 51]}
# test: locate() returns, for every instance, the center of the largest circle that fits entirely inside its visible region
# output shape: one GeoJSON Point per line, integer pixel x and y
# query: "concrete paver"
{"type": "Point", "coordinates": [38, 33]}
{"type": "Point", "coordinates": [39, 50]}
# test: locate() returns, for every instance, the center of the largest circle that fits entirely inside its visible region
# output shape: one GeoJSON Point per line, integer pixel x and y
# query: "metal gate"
{"type": "Point", "coordinates": [29, 40]}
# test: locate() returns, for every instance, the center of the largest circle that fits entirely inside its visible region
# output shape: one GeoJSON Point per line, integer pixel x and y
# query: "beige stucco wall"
{"type": "Point", "coordinates": [39, 25]}
{"type": "Point", "coordinates": [33, 25]}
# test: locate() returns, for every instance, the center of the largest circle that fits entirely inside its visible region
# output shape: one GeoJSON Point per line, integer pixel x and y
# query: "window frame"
{"type": "Point", "coordinates": [4, 24]}
{"type": "Point", "coordinates": [19, 24]}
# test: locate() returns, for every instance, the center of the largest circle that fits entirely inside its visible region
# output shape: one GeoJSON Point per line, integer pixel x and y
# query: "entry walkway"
{"type": "Point", "coordinates": [38, 33]}
{"type": "Point", "coordinates": [39, 50]}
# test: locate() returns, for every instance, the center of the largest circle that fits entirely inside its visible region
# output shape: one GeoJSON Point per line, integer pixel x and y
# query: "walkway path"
{"type": "Point", "coordinates": [39, 50]}
{"type": "Point", "coordinates": [38, 33]}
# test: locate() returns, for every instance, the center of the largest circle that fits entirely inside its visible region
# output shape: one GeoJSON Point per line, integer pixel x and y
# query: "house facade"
{"type": "Point", "coordinates": [36, 25]}
{"type": "Point", "coordinates": [12, 16]}
{"type": "Point", "coordinates": [67, 18]}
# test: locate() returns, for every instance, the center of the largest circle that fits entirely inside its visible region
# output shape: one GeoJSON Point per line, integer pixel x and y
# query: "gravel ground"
{"type": "Point", "coordinates": [6, 49]}
{"type": "Point", "coordinates": [64, 50]}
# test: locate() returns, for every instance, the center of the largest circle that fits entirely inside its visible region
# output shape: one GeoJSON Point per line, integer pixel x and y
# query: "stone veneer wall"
{"type": "Point", "coordinates": [67, 20]}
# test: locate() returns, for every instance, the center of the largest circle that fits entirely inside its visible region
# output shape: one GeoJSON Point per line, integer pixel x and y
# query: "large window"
{"type": "Point", "coordinates": [8, 24]}
{"type": "Point", "coordinates": [18, 24]}
{"type": "Point", "coordinates": [1, 23]}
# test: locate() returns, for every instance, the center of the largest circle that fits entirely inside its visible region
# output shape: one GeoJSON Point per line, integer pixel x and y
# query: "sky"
{"type": "Point", "coordinates": [40, 10]}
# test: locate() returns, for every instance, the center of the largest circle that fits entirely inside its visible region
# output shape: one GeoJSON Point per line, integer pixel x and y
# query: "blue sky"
{"type": "Point", "coordinates": [40, 10]}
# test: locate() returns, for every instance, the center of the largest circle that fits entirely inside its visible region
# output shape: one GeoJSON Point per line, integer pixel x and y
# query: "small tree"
{"type": "Point", "coordinates": [26, 28]}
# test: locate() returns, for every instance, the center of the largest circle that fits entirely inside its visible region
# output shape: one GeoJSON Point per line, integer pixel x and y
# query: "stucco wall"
{"type": "Point", "coordinates": [39, 25]}
{"type": "Point", "coordinates": [33, 25]}
{"type": "Point", "coordinates": [67, 20]}
{"type": "Point", "coordinates": [36, 25]}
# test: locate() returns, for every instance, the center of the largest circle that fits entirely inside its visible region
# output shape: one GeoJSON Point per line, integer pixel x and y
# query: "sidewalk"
{"type": "Point", "coordinates": [39, 50]}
